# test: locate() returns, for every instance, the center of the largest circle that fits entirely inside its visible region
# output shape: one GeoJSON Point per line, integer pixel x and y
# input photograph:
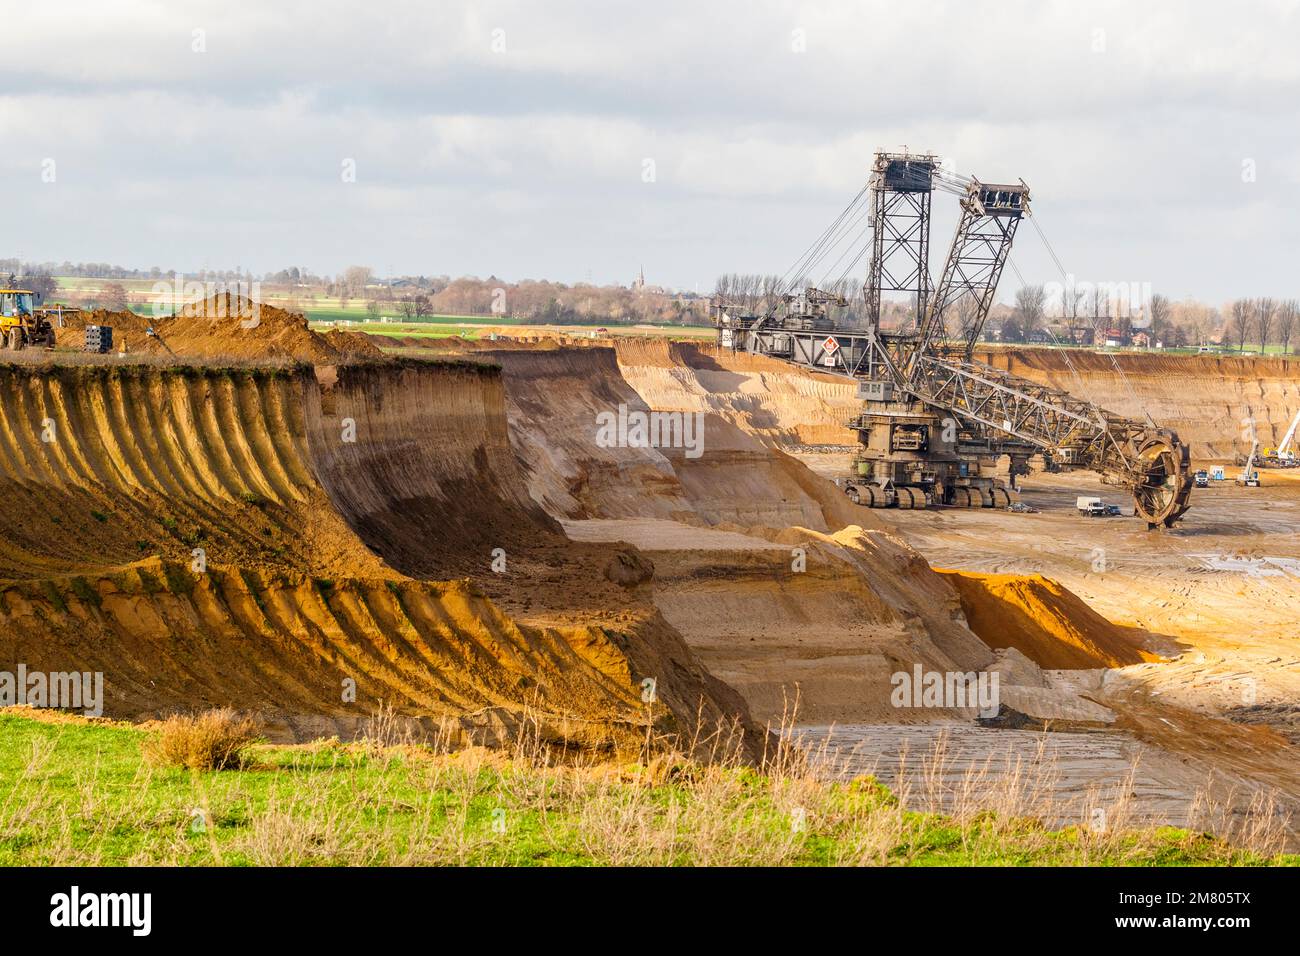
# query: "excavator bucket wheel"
{"type": "Point", "coordinates": [1164, 479]}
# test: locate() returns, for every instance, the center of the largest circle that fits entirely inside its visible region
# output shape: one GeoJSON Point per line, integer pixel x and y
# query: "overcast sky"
{"type": "Point", "coordinates": [1161, 141]}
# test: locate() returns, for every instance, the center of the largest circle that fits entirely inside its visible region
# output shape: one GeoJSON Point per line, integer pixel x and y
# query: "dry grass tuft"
{"type": "Point", "coordinates": [212, 740]}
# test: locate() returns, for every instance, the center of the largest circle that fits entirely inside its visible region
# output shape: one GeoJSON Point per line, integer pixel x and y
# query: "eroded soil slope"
{"type": "Point", "coordinates": [773, 401]}
{"type": "Point", "coordinates": [782, 587]}
{"type": "Point", "coordinates": [248, 536]}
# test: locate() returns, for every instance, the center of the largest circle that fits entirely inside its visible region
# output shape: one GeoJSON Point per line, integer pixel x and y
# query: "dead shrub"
{"type": "Point", "coordinates": [211, 740]}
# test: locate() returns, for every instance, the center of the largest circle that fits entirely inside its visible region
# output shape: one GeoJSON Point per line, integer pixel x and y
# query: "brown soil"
{"type": "Point", "coordinates": [721, 529]}
{"type": "Point", "coordinates": [221, 327]}
{"type": "Point", "coordinates": [773, 401]}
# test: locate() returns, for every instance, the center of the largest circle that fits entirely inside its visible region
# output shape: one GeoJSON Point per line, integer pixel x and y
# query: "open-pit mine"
{"type": "Point", "coordinates": [312, 527]}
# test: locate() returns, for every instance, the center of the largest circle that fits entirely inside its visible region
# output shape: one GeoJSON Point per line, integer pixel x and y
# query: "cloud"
{"type": "Point", "coordinates": [513, 137]}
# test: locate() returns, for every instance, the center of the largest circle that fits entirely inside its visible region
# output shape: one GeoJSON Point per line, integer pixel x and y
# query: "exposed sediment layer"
{"type": "Point", "coordinates": [775, 402]}
{"type": "Point", "coordinates": [765, 568]}
{"type": "Point", "coordinates": [555, 400]}
{"type": "Point", "coordinates": [1210, 400]}
{"type": "Point", "coordinates": [246, 536]}
{"type": "Point", "coordinates": [338, 489]}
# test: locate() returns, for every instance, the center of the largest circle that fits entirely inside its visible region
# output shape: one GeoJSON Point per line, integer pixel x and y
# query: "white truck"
{"type": "Point", "coordinates": [1090, 506]}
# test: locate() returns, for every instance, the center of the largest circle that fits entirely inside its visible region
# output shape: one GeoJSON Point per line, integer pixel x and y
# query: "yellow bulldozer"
{"type": "Point", "coordinates": [21, 325]}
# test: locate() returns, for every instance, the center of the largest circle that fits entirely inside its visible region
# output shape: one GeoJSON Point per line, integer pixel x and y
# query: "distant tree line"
{"type": "Point", "coordinates": [1245, 324]}
{"type": "Point", "coordinates": [1088, 315]}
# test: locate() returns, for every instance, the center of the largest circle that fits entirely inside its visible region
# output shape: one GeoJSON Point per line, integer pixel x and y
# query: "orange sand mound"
{"type": "Point", "coordinates": [225, 327]}
{"type": "Point", "coordinates": [1049, 624]}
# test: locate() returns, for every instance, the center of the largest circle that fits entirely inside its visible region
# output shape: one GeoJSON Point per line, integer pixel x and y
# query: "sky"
{"type": "Point", "coordinates": [583, 141]}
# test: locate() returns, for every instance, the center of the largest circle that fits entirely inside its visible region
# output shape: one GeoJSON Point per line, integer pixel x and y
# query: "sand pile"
{"type": "Point", "coordinates": [223, 327]}
{"type": "Point", "coordinates": [1046, 622]}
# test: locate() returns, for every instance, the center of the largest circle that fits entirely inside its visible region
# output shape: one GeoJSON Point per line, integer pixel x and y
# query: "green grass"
{"type": "Point", "coordinates": [317, 313]}
{"type": "Point", "coordinates": [433, 330]}
{"type": "Point", "coordinates": [475, 329]}
{"type": "Point", "coordinates": [81, 793]}
{"type": "Point", "coordinates": [83, 283]}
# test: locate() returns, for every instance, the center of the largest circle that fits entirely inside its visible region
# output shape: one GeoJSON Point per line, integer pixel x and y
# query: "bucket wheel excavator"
{"type": "Point", "coordinates": [935, 422]}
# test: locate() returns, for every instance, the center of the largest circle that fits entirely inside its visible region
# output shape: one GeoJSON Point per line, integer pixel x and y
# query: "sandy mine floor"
{"type": "Point", "coordinates": [1222, 590]}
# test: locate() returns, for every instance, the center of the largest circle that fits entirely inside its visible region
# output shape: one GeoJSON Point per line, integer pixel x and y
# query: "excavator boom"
{"type": "Point", "coordinates": [913, 382]}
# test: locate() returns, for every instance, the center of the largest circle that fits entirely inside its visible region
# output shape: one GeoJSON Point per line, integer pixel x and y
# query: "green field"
{"type": "Point", "coordinates": [83, 284]}
{"type": "Point", "coordinates": [74, 793]}
{"type": "Point", "coordinates": [446, 326]}
{"type": "Point", "coordinates": [361, 316]}
{"type": "Point", "coordinates": [422, 330]}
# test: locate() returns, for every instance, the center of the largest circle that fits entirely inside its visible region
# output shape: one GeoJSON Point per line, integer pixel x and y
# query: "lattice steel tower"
{"type": "Point", "coordinates": [901, 187]}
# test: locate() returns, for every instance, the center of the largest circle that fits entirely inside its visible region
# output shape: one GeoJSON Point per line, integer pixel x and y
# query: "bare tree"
{"type": "Point", "coordinates": [1074, 302]}
{"type": "Point", "coordinates": [1159, 311]}
{"type": "Point", "coordinates": [1239, 324]}
{"type": "Point", "coordinates": [416, 307]}
{"type": "Point", "coordinates": [1100, 300]}
{"type": "Point", "coordinates": [355, 280]}
{"type": "Point", "coordinates": [722, 287]}
{"type": "Point", "coordinates": [961, 315]}
{"type": "Point", "coordinates": [41, 283]}
{"type": "Point", "coordinates": [771, 286]}
{"type": "Point", "coordinates": [1265, 313]}
{"type": "Point", "coordinates": [114, 297]}
{"type": "Point", "coordinates": [1030, 307]}
{"type": "Point", "coordinates": [1287, 312]}
{"type": "Point", "coordinates": [409, 307]}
